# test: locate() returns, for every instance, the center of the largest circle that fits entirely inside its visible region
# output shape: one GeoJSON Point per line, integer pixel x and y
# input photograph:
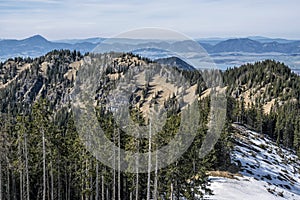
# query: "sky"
{"type": "Point", "coordinates": [66, 19]}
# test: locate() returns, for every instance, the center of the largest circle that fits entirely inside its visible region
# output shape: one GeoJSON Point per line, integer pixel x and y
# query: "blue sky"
{"type": "Point", "coordinates": [59, 19]}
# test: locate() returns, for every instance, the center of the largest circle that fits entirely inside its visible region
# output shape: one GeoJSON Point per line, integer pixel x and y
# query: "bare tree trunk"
{"type": "Point", "coordinates": [97, 180]}
{"type": "Point", "coordinates": [48, 185]}
{"type": "Point", "coordinates": [44, 166]}
{"type": "Point", "coordinates": [91, 188]}
{"type": "Point", "coordinates": [177, 185]}
{"type": "Point", "coordinates": [66, 186]}
{"type": "Point", "coordinates": [14, 190]}
{"type": "Point", "coordinates": [149, 163]}
{"type": "Point", "coordinates": [82, 186]}
{"type": "Point", "coordinates": [8, 182]}
{"type": "Point", "coordinates": [137, 178]}
{"type": "Point", "coordinates": [114, 169]}
{"type": "Point", "coordinates": [102, 187]}
{"type": "Point", "coordinates": [194, 172]}
{"type": "Point", "coordinates": [21, 184]}
{"type": "Point", "coordinates": [59, 182]}
{"type": "Point", "coordinates": [1, 179]}
{"type": "Point", "coordinates": [155, 177]}
{"type": "Point", "coordinates": [86, 179]}
{"type": "Point", "coordinates": [119, 165]}
{"type": "Point", "coordinates": [172, 191]}
{"type": "Point", "coordinates": [26, 167]}
{"type": "Point", "coordinates": [107, 194]}
{"type": "Point", "coordinates": [20, 168]}
{"type": "Point", "coordinates": [137, 169]}
{"type": "Point", "coordinates": [69, 186]}
{"type": "Point", "coordinates": [24, 185]}
{"type": "Point", "coordinates": [137, 184]}
{"type": "Point", "coordinates": [52, 181]}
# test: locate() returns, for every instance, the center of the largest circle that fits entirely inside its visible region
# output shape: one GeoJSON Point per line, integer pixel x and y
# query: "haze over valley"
{"type": "Point", "coordinates": [224, 52]}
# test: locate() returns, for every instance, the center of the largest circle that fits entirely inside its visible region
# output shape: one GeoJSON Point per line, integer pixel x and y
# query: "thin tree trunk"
{"type": "Point", "coordinates": [107, 194]}
{"type": "Point", "coordinates": [172, 191]}
{"type": "Point", "coordinates": [44, 166]}
{"type": "Point", "coordinates": [86, 179]}
{"type": "Point", "coordinates": [69, 186]}
{"type": "Point", "coordinates": [119, 166]}
{"type": "Point", "coordinates": [26, 167]}
{"type": "Point", "coordinates": [137, 179]}
{"type": "Point", "coordinates": [24, 186]}
{"type": "Point", "coordinates": [14, 190]}
{"type": "Point", "coordinates": [177, 185]}
{"type": "Point", "coordinates": [52, 181]}
{"type": "Point", "coordinates": [155, 177]}
{"type": "Point", "coordinates": [91, 188]}
{"type": "Point", "coordinates": [137, 185]}
{"type": "Point", "coordinates": [194, 173]}
{"type": "Point", "coordinates": [102, 187]}
{"type": "Point", "coordinates": [59, 183]}
{"type": "Point", "coordinates": [21, 184]}
{"type": "Point", "coordinates": [8, 182]}
{"type": "Point", "coordinates": [82, 185]}
{"type": "Point", "coordinates": [1, 179]}
{"type": "Point", "coordinates": [149, 164]}
{"type": "Point", "coordinates": [20, 170]}
{"type": "Point", "coordinates": [97, 180]}
{"type": "Point", "coordinates": [48, 185]}
{"type": "Point", "coordinates": [137, 170]}
{"type": "Point", "coordinates": [114, 169]}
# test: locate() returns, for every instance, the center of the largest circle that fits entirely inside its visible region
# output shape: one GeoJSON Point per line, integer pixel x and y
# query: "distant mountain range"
{"type": "Point", "coordinates": [36, 46]}
{"type": "Point", "coordinates": [225, 52]}
{"type": "Point", "coordinates": [253, 46]}
{"type": "Point", "coordinates": [214, 41]}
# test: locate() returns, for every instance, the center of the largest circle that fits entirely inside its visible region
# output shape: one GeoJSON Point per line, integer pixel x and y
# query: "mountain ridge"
{"type": "Point", "coordinates": [37, 45]}
{"type": "Point", "coordinates": [26, 83]}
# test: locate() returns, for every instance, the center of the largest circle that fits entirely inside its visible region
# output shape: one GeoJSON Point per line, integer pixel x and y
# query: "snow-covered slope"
{"type": "Point", "coordinates": [268, 171]}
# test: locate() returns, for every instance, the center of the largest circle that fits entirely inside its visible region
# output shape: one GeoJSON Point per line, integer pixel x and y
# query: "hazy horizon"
{"type": "Point", "coordinates": [66, 19]}
{"type": "Point", "coordinates": [106, 37]}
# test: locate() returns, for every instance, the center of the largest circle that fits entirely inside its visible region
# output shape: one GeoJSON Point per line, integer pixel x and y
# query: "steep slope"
{"type": "Point", "coordinates": [23, 82]}
{"type": "Point", "coordinates": [263, 83]}
{"type": "Point", "coordinates": [52, 76]}
{"type": "Point", "coordinates": [267, 171]}
{"type": "Point", "coordinates": [265, 96]}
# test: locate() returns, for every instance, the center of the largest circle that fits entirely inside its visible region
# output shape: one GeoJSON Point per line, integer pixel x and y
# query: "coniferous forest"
{"type": "Point", "coordinates": [42, 156]}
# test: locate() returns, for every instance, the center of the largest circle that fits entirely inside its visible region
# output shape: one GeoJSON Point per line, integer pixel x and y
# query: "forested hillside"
{"type": "Point", "coordinates": [43, 156]}
{"type": "Point", "coordinates": [265, 95]}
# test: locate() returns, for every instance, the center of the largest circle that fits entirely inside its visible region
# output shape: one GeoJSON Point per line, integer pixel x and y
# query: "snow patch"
{"type": "Point", "coordinates": [269, 171]}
